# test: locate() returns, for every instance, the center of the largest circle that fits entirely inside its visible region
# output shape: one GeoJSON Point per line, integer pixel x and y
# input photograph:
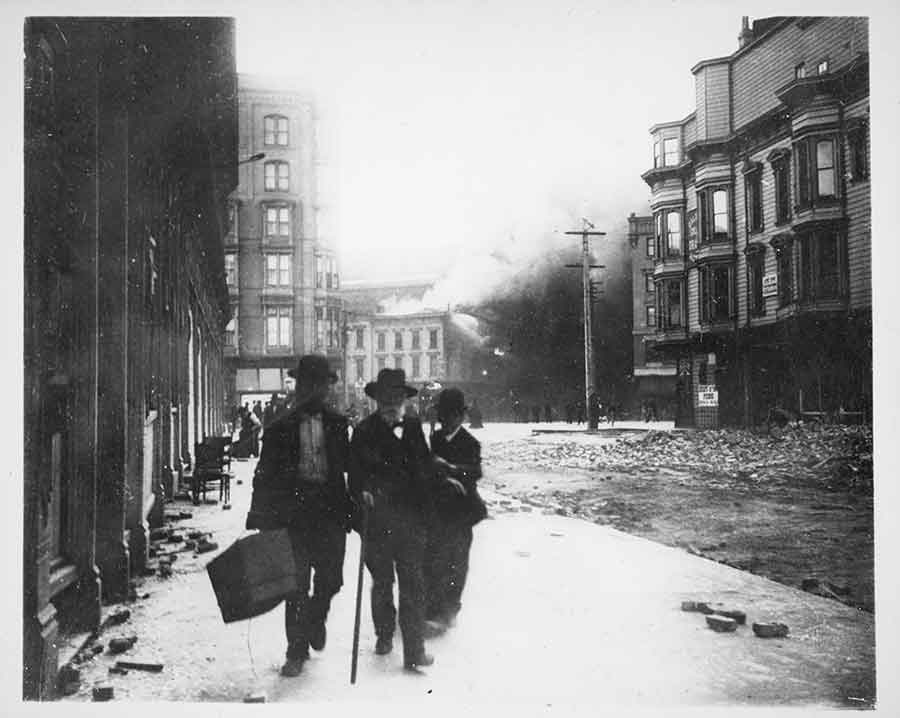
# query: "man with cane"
{"type": "Point", "coordinates": [299, 485]}
{"type": "Point", "coordinates": [389, 476]}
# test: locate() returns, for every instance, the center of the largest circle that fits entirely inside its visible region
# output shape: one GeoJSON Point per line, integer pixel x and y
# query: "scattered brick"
{"type": "Point", "coordinates": [207, 546]}
{"type": "Point", "coordinates": [119, 616]}
{"type": "Point", "coordinates": [226, 507]}
{"type": "Point", "coordinates": [103, 692]}
{"type": "Point", "coordinates": [255, 697]}
{"type": "Point", "coordinates": [159, 534]}
{"type": "Point", "coordinates": [140, 666]}
{"type": "Point", "coordinates": [739, 616]}
{"type": "Point", "coordinates": [120, 645]}
{"type": "Point", "coordinates": [696, 607]}
{"type": "Point", "coordinates": [195, 534]}
{"type": "Point", "coordinates": [69, 680]}
{"type": "Point", "coordinates": [721, 624]}
{"type": "Point", "coordinates": [97, 648]}
{"type": "Point", "coordinates": [770, 630]}
{"type": "Point", "coordinates": [186, 515]}
{"type": "Point", "coordinates": [114, 670]}
{"type": "Point", "coordinates": [176, 538]}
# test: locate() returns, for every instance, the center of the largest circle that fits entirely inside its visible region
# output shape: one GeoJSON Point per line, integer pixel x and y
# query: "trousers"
{"type": "Point", "coordinates": [396, 539]}
{"type": "Point", "coordinates": [446, 567]}
{"type": "Point", "coordinates": [318, 551]}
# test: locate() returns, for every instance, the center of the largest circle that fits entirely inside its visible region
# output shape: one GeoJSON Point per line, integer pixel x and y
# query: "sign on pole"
{"type": "Point", "coordinates": [707, 395]}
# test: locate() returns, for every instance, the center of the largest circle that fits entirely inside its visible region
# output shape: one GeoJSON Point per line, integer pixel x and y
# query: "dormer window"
{"type": "Point", "coordinates": [822, 68]}
{"type": "Point", "coordinates": [800, 71]}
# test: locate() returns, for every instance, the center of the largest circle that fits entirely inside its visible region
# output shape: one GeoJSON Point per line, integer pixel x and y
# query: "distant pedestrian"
{"type": "Point", "coordinates": [390, 474]}
{"type": "Point", "coordinates": [255, 424]}
{"type": "Point", "coordinates": [299, 485]}
{"type": "Point", "coordinates": [536, 414]}
{"type": "Point", "coordinates": [270, 411]}
{"type": "Point", "coordinates": [611, 411]}
{"type": "Point", "coordinates": [579, 411]}
{"type": "Point", "coordinates": [456, 461]}
{"type": "Point", "coordinates": [548, 413]}
{"type": "Point", "coordinates": [570, 413]}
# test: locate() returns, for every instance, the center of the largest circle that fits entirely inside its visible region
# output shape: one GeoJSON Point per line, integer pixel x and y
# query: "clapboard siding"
{"type": "Point", "coordinates": [859, 213]}
{"type": "Point", "coordinates": [756, 76]}
{"type": "Point", "coordinates": [693, 300]}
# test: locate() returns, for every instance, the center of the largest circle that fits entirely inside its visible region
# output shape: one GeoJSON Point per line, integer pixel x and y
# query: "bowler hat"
{"type": "Point", "coordinates": [315, 367]}
{"type": "Point", "coordinates": [451, 401]}
{"type": "Point", "coordinates": [387, 380]}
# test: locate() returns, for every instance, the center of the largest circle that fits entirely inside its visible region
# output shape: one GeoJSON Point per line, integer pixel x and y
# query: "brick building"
{"type": "Point", "coordinates": [130, 153]}
{"type": "Point", "coordinates": [654, 376]}
{"type": "Point", "coordinates": [281, 271]}
{"type": "Point", "coordinates": [761, 210]}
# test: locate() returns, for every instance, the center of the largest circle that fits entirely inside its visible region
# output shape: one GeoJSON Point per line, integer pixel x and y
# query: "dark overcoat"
{"type": "Point", "coordinates": [464, 452]}
{"type": "Point", "coordinates": [280, 498]}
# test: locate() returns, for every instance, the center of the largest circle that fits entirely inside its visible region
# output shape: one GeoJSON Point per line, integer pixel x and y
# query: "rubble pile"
{"type": "Point", "coordinates": [839, 457]}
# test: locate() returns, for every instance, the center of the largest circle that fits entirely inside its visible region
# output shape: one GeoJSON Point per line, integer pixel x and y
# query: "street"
{"type": "Point", "coordinates": [558, 611]}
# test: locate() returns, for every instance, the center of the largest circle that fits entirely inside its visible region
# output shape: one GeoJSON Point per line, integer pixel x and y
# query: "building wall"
{"type": "Point", "coordinates": [773, 112]}
{"type": "Point", "coordinates": [114, 270]}
{"type": "Point", "coordinates": [255, 365]}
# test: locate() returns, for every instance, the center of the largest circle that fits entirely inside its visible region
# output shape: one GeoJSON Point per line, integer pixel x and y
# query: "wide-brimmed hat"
{"type": "Point", "coordinates": [387, 380]}
{"type": "Point", "coordinates": [451, 401]}
{"type": "Point", "coordinates": [314, 367]}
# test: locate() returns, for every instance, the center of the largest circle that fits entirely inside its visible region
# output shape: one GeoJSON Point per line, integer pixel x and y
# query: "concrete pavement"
{"type": "Point", "coordinates": [557, 612]}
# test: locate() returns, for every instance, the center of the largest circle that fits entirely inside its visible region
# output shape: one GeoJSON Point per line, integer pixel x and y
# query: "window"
{"type": "Point", "coordinates": [416, 339]}
{"type": "Point", "coordinates": [275, 130]}
{"type": "Point", "coordinates": [821, 265]}
{"type": "Point", "coordinates": [715, 293]}
{"type": "Point", "coordinates": [360, 369]}
{"type": "Point", "coordinates": [822, 68]}
{"type": "Point", "coordinates": [327, 328]}
{"type": "Point", "coordinates": [360, 339]}
{"type": "Point", "coordinates": [433, 365]}
{"type": "Point", "coordinates": [712, 205]}
{"type": "Point", "coordinates": [381, 363]}
{"type": "Point", "coordinates": [800, 71]}
{"type": "Point", "coordinates": [648, 283]}
{"type": "Point", "coordinates": [232, 221]}
{"type": "Point", "coordinates": [278, 270]}
{"type": "Point", "coordinates": [278, 327]}
{"type": "Point", "coordinates": [781, 170]}
{"type": "Point", "coordinates": [670, 152]}
{"type": "Point", "coordinates": [277, 176]}
{"type": "Point", "coordinates": [231, 269]}
{"type": "Point", "coordinates": [381, 341]}
{"type": "Point", "coordinates": [398, 361]}
{"type": "Point", "coordinates": [668, 234]}
{"type": "Point", "coordinates": [651, 316]}
{"type": "Point", "coordinates": [398, 340]}
{"type": "Point", "coordinates": [857, 139]}
{"type": "Point", "coordinates": [656, 157]}
{"type": "Point", "coordinates": [331, 277]}
{"type": "Point", "coordinates": [321, 328]}
{"type": "Point", "coordinates": [784, 264]}
{"type": "Point", "coordinates": [815, 170]}
{"type": "Point", "coordinates": [278, 222]}
{"type": "Point", "coordinates": [320, 272]}
{"type": "Point", "coordinates": [651, 247]}
{"type": "Point", "coordinates": [753, 193]}
{"type": "Point", "coordinates": [432, 338]}
{"type": "Point", "coordinates": [669, 302]}
{"type": "Point", "coordinates": [756, 265]}
{"type": "Point", "coordinates": [231, 329]}
{"type": "Point", "coordinates": [416, 366]}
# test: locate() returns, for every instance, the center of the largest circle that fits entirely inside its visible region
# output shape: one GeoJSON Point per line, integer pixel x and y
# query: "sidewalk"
{"type": "Point", "coordinates": [557, 612]}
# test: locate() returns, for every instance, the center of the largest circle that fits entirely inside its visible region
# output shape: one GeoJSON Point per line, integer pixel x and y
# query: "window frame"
{"type": "Point", "coordinates": [781, 177]}
{"type": "Point", "coordinates": [398, 340]}
{"type": "Point", "coordinates": [858, 151]}
{"type": "Point", "coordinates": [709, 296]}
{"type": "Point", "coordinates": [651, 247]}
{"type": "Point", "coordinates": [280, 210]}
{"type": "Point", "coordinates": [231, 335]}
{"type": "Point", "coordinates": [276, 131]}
{"type": "Point", "coordinates": [282, 269]}
{"type": "Point", "coordinates": [433, 339]}
{"type": "Point", "coordinates": [814, 281]}
{"type": "Point", "coordinates": [381, 341]}
{"type": "Point", "coordinates": [756, 270]}
{"type": "Point", "coordinates": [753, 201]}
{"type": "Point", "coordinates": [706, 198]}
{"type": "Point", "coordinates": [807, 184]}
{"type": "Point", "coordinates": [284, 318]}
{"type": "Point", "coordinates": [784, 269]}
{"type": "Point", "coordinates": [360, 338]}
{"type": "Point", "coordinates": [232, 271]}
{"type": "Point", "coordinates": [666, 153]}
{"type": "Point", "coordinates": [663, 306]}
{"type": "Point", "coordinates": [280, 176]}
{"type": "Point", "coordinates": [664, 248]}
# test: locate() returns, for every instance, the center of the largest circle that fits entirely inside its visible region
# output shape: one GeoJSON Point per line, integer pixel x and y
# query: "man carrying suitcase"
{"type": "Point", "coordinates": [299, 485]}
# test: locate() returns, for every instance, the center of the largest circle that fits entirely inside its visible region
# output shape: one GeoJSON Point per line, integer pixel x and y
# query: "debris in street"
{"type": "Point", "coordinates": [770, 630]}
{"type": "Point", "coordinates": [120, 645]}
{"type": "Point", "coordinates": [97, 648]}
{"type": "Point", "coordinates": [176, 538]}
{"type": "Point", "coordinates": [115, 670]}
{"type": "Point", "coordinates": [226, 507]}
{"type": "Point", "coordinates": [186, 515]}
{"type": "Point", "coordinates": [160, 534]}
{"type": "Point", "coordinates": [69, 679]}
{"type": "Point", "coordinates": [738, 617]}
{"type": "Point", "coordinates": [195, 534]}
{"type": "Point", "coordinates": [119, 617]}
{"type": "Point", "coordinates": [721, 624]}
{"type": "Point", "coordinates": [103, 692]}
{"type": "Point", "coordinates": [206, 546]}
{"type": "Point", "coordinates": [139, 666]}
{"type": "Point", "coordinates": [255, 697]}
{"type": "Point", "coordinates": [695, 606]}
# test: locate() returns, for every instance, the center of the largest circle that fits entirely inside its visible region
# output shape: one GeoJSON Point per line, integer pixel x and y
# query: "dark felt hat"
{"type": "Point", "coordinates": [451, 401]}
{"type": "Point", "coordinates": [315, 367]}
{"type": "Point", "coordinates": [387, 380]}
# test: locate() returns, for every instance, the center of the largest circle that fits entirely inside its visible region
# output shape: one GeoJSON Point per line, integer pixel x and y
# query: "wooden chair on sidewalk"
{"type": "Point", "coordinates": [212, 464]}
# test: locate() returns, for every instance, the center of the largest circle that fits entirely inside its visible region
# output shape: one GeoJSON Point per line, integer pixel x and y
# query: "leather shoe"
{"type": "Point", "coordinates": [317, 637]}
{"type": "Point", "coordinates": [384, 645]}
{"type": "Point", "coordinates": [426, 659]}
{"type": "Point", "coordinates": [293, 666]}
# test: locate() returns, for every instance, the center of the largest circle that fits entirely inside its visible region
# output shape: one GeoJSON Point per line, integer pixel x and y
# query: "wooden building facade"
{"type": "Point", "coordinates": [130, 153]}
{"type": "Point", "coordinates": [762, 225]}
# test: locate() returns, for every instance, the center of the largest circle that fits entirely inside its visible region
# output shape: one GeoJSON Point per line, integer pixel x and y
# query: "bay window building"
{"type": "Point", "coordinates": [762, 238]}
{"type": "Point", "coordinates": [281, 267]}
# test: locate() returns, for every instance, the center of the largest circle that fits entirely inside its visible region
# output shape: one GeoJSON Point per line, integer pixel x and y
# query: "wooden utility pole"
{"type": "Point", "coordinates": [586, 287]}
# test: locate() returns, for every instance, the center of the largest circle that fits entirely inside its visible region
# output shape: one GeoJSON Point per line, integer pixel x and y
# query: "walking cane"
{"type": "Point", "coordinates": [359, 585]}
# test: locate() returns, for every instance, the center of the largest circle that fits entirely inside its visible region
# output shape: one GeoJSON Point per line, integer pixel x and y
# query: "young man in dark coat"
{"type": "Point", "coordinates": [389, 475]}
{"type": "Point", "coordinates": [299, 485]}
{"type": "Point", "coordinates": [456, 457]}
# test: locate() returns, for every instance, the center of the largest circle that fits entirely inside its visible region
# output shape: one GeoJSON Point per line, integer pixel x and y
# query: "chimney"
{"type": "Point", "coordinates": [746, 35]}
